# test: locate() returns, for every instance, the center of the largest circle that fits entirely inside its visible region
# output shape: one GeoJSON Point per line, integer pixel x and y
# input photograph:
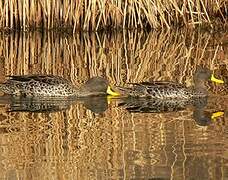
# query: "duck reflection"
{"type": "Point", "coordinates": [99, 104]}
{"type": "Point", "coordinates": [152, 105]}
{"type": "Point", "coordinates": [44, 105]}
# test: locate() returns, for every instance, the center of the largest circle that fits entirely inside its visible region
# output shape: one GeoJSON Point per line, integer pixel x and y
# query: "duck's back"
{"type": "Point", "coordinates": [37, 85]}
{"type": "Point", "coordinates": [158, 89]}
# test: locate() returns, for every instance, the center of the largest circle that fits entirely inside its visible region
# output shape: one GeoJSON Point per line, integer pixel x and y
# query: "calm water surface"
{"type": "Point", "coordinates": [100, 138]}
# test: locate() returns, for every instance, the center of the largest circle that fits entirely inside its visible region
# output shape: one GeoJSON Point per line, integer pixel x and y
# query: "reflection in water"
{"type": "Point", "coordinates": [145, 105]}
{"type": "Point", "coordinates": [42, 105]}
{"type": "Point", "coordinates": [76, 143]}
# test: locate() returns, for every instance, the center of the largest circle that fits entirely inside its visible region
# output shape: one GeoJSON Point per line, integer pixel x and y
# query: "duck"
{"type": "Point", "coordinates": [171, 90]}
{"type": "Point", "coordinates": [54, 86]}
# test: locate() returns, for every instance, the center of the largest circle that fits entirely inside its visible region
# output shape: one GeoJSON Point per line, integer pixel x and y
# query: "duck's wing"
{"type": "Point", "coordinates": [158, 89]}
{"type": "Point", "coordinates": [26, 78]}
{"type": "Point", "coordinates": [47, 79]}
{"type": "Point", "coordinates": [161, 84]}
{"type": "Point", "coordinates": [40, 85]}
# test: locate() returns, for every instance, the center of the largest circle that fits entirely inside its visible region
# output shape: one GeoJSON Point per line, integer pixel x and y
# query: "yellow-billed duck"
{"type": "Point", "coordinates": [163, 89]}
{"type": "Point", "coordinates": [54, 86]}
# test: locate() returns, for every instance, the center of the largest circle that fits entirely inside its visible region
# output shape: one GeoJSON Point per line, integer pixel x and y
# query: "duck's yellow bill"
{"type": "Point", "coordinates": [217, 114]}
{"type": "Point", "coordinates": [111, 92]}
{"type": "Point", "coordinates": [216, 80]}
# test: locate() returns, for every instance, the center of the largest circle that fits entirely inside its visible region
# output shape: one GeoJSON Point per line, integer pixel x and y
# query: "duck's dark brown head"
{"type": "Point", "coordinates": [97, 86]}
{"type": "Point", "coordinates": [203, 74]}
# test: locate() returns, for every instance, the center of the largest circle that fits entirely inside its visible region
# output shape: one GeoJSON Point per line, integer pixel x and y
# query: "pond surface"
{"type": "Point", "coordinates": [101, 138]}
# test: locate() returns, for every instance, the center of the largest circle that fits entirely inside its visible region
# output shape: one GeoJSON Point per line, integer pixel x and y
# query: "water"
{"type": "Point", "coordinates": [99, 139]}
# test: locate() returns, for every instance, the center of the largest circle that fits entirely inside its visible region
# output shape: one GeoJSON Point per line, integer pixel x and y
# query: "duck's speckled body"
{"type": "Point", "coordinates": [171, 90]}
{"type": "Point", "coordinates": [160, 90]}
{"type": "Point", "coordinates": [49, 85]}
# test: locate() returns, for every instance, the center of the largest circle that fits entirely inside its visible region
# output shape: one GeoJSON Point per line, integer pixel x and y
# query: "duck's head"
{"type": "Point", "coordinates": [203, 118]}
{"type": "Point", "coordinates": [204, 74]}
{"type": "Point", "coordinates": [97, 86]}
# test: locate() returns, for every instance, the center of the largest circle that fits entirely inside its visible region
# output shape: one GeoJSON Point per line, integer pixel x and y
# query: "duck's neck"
{"type": "Point", "coordinates": [82, 91]}
{"type": "Point", "coordinates": [85, 91]}
{"type": "Point", "coordinates": [75, 91]}
{"type": "Point", "coordinates": [200, 86]}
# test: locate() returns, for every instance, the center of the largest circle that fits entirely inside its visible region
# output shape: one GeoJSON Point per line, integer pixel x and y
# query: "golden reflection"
{"type": "Point", "coordinates": [78, 143]}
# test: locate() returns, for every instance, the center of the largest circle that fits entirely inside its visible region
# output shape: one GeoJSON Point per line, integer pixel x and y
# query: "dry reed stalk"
{"type": "Point", "coordinates": [6, 14]}
{"type": "Point", "coordinates": [20, 14]}
{"type": "Point", "coordinates": [1, 13]}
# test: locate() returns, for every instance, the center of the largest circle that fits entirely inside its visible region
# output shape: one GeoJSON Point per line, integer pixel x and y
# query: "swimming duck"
{"type": "Point", "coordinates": [164, 90]}
{"type": "Point", "coordinates": [54, 86]}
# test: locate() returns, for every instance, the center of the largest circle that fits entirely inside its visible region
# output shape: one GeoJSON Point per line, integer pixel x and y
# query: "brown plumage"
{"type": "Point", "coordinates": [164, 90]}
{"type": "Point", "coordinates": [49, 85]}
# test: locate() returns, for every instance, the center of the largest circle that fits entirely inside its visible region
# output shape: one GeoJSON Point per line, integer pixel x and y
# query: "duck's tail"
{"type": "Point", "coordinates": [6, 88]}
{"type": "Point", "coordinates": [2, 87]}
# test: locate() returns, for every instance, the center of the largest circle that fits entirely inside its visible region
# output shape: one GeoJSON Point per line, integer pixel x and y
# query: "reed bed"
{"type": "Point", "coordinates": [99, 14]}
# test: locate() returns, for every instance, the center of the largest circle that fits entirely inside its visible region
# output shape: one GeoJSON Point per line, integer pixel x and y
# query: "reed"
{"type": "Point", "coordinates": [98, 14]}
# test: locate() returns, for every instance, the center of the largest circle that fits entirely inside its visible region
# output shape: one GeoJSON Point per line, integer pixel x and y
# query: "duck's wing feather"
{"type": "Point", "coordinates": [47, 79]}
{"type": "Point", "coordinates": [40, 85]}
{"type": "Point", "coordinates": [157, 89]}
{"type": "Point", "coordinates": [159, 84]}
{"type": "Point", "coordinates": [25, 78]}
